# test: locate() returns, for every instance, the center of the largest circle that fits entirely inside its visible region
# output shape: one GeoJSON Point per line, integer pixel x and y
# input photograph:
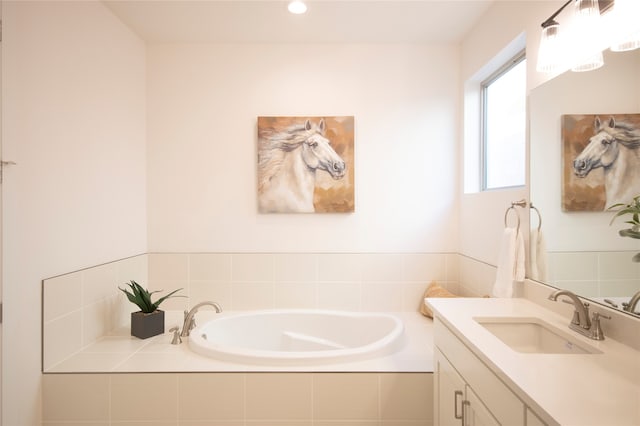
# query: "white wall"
{"type": "Point", "coordinates": [482, 214]}
{"type": "Point", "coordinates": [203, 101]}
{"type": "Point", "coordinates": [73, 104]}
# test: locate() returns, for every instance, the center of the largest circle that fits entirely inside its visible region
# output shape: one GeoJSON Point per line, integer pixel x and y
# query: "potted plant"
{"type": "Point", "coordinates": [149, 320]}
{"type": "Point", "coordinates": [632, 209]}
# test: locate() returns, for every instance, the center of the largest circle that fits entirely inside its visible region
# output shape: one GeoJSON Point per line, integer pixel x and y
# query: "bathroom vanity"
{"type": "Point", "coordinates": [512, 362]}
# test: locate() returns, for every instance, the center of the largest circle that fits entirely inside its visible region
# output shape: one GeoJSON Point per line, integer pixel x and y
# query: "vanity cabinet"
{"type": "Point", "coordinates": [457, 404]}
{"type": "Point", "coordinates": [467, 392]}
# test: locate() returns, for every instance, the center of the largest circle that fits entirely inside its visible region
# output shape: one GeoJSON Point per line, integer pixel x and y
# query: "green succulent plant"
{"type": "Point", "coordinates": [142, 298]}
{"type": "Point", "coordinates": [632, 209]}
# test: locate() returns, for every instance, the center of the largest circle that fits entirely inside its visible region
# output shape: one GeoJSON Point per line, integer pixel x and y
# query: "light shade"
{"type": "Point", "coordinates": [586, 30]}
{"type": "Point", "coordinates": [297, 7]}
{"type": "Point", "coordinates": [550, 51]}
{"type": "Point", "coordinates": [590, 63]}
{"type": "Point", "coordinates": [626, 25]}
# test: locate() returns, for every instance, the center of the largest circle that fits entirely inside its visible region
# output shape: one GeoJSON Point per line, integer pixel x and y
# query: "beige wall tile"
{"type": "Point", "coordinates": [340, 267]}
{"type": "Point", "coordinates": [99, 283]}
{"type": "Point", "coordinates": [412, 296]}
{"type": "Point", "coordinates": [75, 397]}
{"type": "Point", "coordinates": [476, 278]}
{"type": "Point", "coordinates": [617, 266]}
{"type": "Point", "coordinates": [295, 267]}
{"type": "Point", "coordinates": [62, 295]}
{"type": "Point", "coordinates": [168, 267]}
{"type": "Point", "coordinates": [349, 423]}
{"type": "Point", "coordinates": [210, 267]}
{"type": "Point", "coordinates": [211, 396]}
{"type": "Point", "coordinates": [72, 423]}
{"type": "Point", "coordinates": [133, 268]}
{"type": "Point", "coordinates": [148, 397]}
{"type": "Point", "coordinates": [341, 296]}
{"type": "Point", "coordinates": [279, 423]}
{"type": "Point", "coordinates": [575, 266]}
{"type": "Point", "coordinates": [424, 267]}
{"type": "Point", "coordinates": [62, 337]}
{"type": "Point", "coordinates": [406, 396]}
{"type": "Point", "coordinates": [252, 267]}
{"type": "Point", "coordinates": [279, 396]}
{"type": "Point", "coordinates": [345, 396]}
{"type": "Point", "coordinates": [143, 423]}
{"type": "Point", "coordinates": [213, 423]}
{"type": "Point", "coordinates": [381, 297]}
{"type": "Point", "coordinates": [215, 291]}
{"type": "Point", "coordinates": [96, 320]}
{"type": "Point", "coordinates": [453, 266]}
{"type": "Point", "coordinates": [247, 296]}
{"type": "Point", "coordinates": [382, 267]}
{"type": "Point", "coordinates": [295, 295]}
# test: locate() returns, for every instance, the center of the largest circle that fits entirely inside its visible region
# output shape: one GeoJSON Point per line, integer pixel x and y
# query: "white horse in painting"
{"type": "Point", "coordinates": [614, 147]}
{"type": "Point", "coordinates": [287, 164]}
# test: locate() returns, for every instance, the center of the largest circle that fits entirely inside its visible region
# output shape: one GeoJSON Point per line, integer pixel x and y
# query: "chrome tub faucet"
{"type": "Point", "coordinates": [630, 306]}
{"type": "Point", "coordinates": [190, 320]}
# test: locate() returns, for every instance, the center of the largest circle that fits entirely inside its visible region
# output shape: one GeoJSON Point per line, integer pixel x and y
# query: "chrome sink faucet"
{"type": "Point", "coordinates": [581, 313]}
{"type": "Point", "coordinates": [190, 317]}
{"type": "Point", "coordinates": [580, 321]}
{"type": "Point", "coordinates": [630, 306]}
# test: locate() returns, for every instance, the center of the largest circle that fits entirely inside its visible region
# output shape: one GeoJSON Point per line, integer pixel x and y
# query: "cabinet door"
{"type": "Point", "coordinates": [475, 413]}
{"type": "Point", "coordinates": [449, 393]}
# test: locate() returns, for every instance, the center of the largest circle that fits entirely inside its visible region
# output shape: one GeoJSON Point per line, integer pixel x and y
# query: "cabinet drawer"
{"type": "Point", "coordinates": [497, 397]}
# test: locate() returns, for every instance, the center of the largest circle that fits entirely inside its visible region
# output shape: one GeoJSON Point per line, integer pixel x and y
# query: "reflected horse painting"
{"type": "Point", "coordinates": [288, 161]}
{"type": "Point", "coordinates": [614, 148]}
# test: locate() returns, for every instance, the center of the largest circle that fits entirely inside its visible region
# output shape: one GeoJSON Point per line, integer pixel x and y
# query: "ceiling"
{"type": "Point", "coordinates": [326, 21]}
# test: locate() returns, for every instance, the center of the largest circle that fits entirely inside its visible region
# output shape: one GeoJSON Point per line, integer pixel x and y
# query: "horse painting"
{"type": "Point", "coordinates": [289, 160]}
{"type": "Point", "coordinates": [614, 148]}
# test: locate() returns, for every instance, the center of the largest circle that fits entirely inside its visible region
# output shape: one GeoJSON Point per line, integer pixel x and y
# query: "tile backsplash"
{"type": "Point", "coordinates": [594, 274]}
{"type": "Point", "coordinates": [80, 307]}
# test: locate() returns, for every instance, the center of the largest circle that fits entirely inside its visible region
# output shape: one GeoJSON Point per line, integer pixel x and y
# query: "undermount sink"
{"type": "Point", "coordinates": [532, 335]}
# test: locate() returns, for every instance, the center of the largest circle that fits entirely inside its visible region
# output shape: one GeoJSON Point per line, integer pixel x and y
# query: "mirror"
{"type": "Point", "coordinates": [584, 253]}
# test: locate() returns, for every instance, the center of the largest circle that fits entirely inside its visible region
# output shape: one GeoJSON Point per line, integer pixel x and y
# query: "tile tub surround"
{"type": "Point", "coordinates": [81, 307]}
{"type": "Point", "coordinates": [217, 399]}
{"type": "Point", "coordinates": [121, 353]}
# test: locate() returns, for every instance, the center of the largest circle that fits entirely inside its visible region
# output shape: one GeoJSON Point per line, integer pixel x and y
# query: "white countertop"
{"type": "Point", "coordinates": [121, 353]}
{"type": "Point", "coordinates": [591, 389]}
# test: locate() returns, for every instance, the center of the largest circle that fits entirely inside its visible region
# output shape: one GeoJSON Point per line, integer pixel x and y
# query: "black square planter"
{"type": "Point", "coordinates": [144, 325]}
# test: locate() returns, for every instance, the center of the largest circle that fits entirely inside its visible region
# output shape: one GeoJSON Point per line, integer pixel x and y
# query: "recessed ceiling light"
{"type": "Point", "coordinates": [298, 7]}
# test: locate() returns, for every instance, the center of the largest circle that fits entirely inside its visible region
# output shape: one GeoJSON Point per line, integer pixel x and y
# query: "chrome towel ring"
{"type": "Point", "coordinates": [514, 204]}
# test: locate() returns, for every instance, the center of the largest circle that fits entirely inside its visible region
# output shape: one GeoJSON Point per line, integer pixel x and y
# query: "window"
{"type": "Point", "coordinates": [503, 114]}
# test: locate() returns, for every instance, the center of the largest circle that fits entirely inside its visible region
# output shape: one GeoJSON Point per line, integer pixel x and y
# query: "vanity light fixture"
{"type": "Point", "coordinates": [627, 31]}
{"type": "Point", "coordinates": [579, 42]}
{"type": "Point", "coordinates": [586, 34]}
{"type": "Point", "coordinates": [297, 7]}
{"type": "Point", "coordinates": [551, 49]}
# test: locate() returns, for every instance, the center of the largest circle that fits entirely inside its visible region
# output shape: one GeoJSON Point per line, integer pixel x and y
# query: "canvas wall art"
{"type": "Point", "coordinates": [306, 164]}
{"type": "Point", "coordinates": [600, 161]}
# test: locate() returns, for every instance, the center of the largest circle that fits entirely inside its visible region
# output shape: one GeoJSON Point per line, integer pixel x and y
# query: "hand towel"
{"type": "Point", "coordinates": [511, 265]}
{"type": "Point", "coordinates": [538, 256]}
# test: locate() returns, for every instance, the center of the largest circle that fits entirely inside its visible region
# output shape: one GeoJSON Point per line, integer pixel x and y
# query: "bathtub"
{"type": "Point", "coordinates": [297, 337]}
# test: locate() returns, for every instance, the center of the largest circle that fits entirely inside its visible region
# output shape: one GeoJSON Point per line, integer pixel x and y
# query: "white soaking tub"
{"type": "Point", "coordinates": [297, 337]}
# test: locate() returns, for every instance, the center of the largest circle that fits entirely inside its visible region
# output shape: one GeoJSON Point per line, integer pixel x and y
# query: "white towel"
{"type": "Point", "coordinates": [510, 263]}
{"type": "Point", "coordinates": [538, 256]}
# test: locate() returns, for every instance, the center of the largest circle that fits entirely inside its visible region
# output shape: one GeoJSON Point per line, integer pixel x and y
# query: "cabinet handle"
{"type": "Point", "coordinates": [465, 404]}
{"type": "Point", "coordinates": [456, 394]}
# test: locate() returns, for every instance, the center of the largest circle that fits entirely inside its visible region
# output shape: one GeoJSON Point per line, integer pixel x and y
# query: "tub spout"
{"type": "Point", "coordinates": [190, 317]}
